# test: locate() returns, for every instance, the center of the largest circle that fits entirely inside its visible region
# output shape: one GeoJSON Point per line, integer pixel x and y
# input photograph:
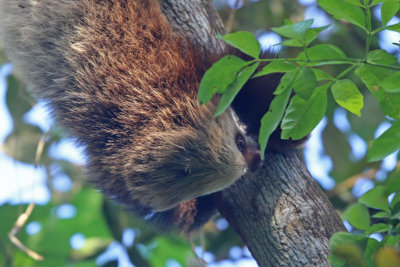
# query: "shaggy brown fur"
{"type": "Point", "coordinates": [121, 82]}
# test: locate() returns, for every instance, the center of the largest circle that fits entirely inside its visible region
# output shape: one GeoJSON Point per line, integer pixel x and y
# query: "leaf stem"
{"type": "Point", "coordinates": [346, 71]}
{"type": "Point", "coordinates": [369, 31]}
{"type": "Point", "coordinates": [351, 61]}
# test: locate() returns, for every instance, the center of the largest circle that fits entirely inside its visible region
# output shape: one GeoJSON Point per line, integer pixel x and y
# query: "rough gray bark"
{"type": "Point", "coordinates": [280, 212]}
{"type": "Point", "coordinates": [198, 21]}
{"type": "Point", "coordinates": [284, 217]}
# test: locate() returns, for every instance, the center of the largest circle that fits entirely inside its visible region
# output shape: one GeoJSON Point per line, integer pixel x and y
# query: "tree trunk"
{"type": "Point", "coordinates": [280, 212]}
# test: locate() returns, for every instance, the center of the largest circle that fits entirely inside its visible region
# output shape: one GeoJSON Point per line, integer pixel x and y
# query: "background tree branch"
{"type": "Point", "coordinates": [280, 212]}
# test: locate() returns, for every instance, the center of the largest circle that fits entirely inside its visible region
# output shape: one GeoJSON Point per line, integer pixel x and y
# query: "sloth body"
{"type": "Point", "coordinates": [121, 82]}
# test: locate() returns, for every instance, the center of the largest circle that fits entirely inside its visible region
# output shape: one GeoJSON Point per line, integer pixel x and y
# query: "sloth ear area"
{"type": "Point", "coordinates": [250, 150]}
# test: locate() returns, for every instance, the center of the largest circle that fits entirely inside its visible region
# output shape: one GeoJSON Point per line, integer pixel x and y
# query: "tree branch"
{"type": "Point", "coordinates": [280, 212]}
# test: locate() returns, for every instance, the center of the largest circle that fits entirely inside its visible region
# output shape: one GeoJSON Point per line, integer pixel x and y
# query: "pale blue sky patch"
{"type": "Point", "coordinates": [22, 183]}
{"type": "Point", "coordinates": [361, 186]}
{"type": "Point", "coordinates": [318, 163]}
{"type": "Point", "coordinates": [269, 40]}
{"type": "Point", "coordinates": [68, 150]}
{"type": "Point", "coordinates": [77, 241]}
{"type": "Point", "coordinates": [66, 211]}
{"type": "Point", "coordinates": [358, 147]}
{"type": "Point", "coordinates": [5, 117]}
{"type": "Point", "coordinates": [39, 116]}
{"type": "Point", "coordinates": [340, 120]}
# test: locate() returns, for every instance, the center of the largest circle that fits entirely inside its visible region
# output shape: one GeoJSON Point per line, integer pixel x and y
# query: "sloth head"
{"type": "Point", "coordinates": [202, 155]}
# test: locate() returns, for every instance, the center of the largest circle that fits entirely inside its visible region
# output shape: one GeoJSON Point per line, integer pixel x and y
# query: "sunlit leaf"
{"type": "Point", "coordinates": [348, 96]}
{"type": "Point", "coordinates": [245, 42]}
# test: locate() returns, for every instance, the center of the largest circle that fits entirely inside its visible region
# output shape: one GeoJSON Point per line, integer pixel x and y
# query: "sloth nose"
{"type": "Point", "coordinates": [253, 159]}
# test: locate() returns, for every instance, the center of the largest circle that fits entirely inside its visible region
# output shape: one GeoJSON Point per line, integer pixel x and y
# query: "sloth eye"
{"type": "Point", "coordinates": [241, 143]}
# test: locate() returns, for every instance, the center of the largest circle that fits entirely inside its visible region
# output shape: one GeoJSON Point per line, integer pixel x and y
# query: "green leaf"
{"type": "Point", "coordinates": [294, 31]}
{"type": "Point", "coordinates": [372, 77]}
{"type": "Point", "coordinates": [291, 43]}
{"type": "Point", "coordinates": [394, 27]}
{"type": "Point", "coordinates": [391, 240]}
{"type": "Point", "coordinates": [381, 57]}
{"type": "Point", "coordinates": [245, 42]}
{"type": "Point", "coordinates": [385, 144]}
{"type": "Point", "coordinates": [388, 10]}
{"type": "Point", "coordinates": [343, 10]}
{"type": "Point", "coordinates": [235, 87]}
{"type": "Point", "coordinates": [272, 118]}
{"type": "Point", "coordinates": [305, 83]}
{"type": "Point", "coordinates": [376, 198]}
{"type": "Point", "coordinates": [355, 2]}
{"type": "Point", "coordinates": [370, 249]}
{"type": "Point", "coordinates": [321, 75]}
{"type": "Point", "coordinates": [313, 33]}
{"type": "Point", "coordinates": [347, 96]}
{"type": "Point", "coordinates": [393, 181]}
{"type": "Point", "coordinates": [323, 52]}
{"type": "Point", "coordinates": [377, 228]}
{"type": "Point", "coordinates": [375, 2]}
{"type": "Point", "coordinates": [286, 82]}
{"type": "Point", "coordinates": [302, 115]}
{"type": "Point", "coordinates": [276, 66]}
{"type": "Point", "coordinates": [345, 247]}
{"type": "Point", "coordinates": [381, 214]}
{"type": "Point", "coordinates": [395, 202]}
{"type": "Point", "coordinates": [391, 84]}
{"type": "Point", "coordinates": [358, 216]}
{"type": "Point", "coordinates": [341, 238]}
{"type": "Point", "coordinates": [219, 76]}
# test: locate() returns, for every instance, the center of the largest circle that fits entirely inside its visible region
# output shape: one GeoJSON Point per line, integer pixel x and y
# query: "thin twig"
{"type": "Point", "coordinates": [22, 218]}
{"type": "Point", "coordinates": [192, 246]}
{"type": "Point", "coordinates": [350, 182]}
{"type": "Point", "coordinates": [231, 17]}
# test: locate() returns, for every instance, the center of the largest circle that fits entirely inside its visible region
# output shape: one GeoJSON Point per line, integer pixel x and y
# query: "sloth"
{"type": "Point", "coordinates": [122, 83]}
